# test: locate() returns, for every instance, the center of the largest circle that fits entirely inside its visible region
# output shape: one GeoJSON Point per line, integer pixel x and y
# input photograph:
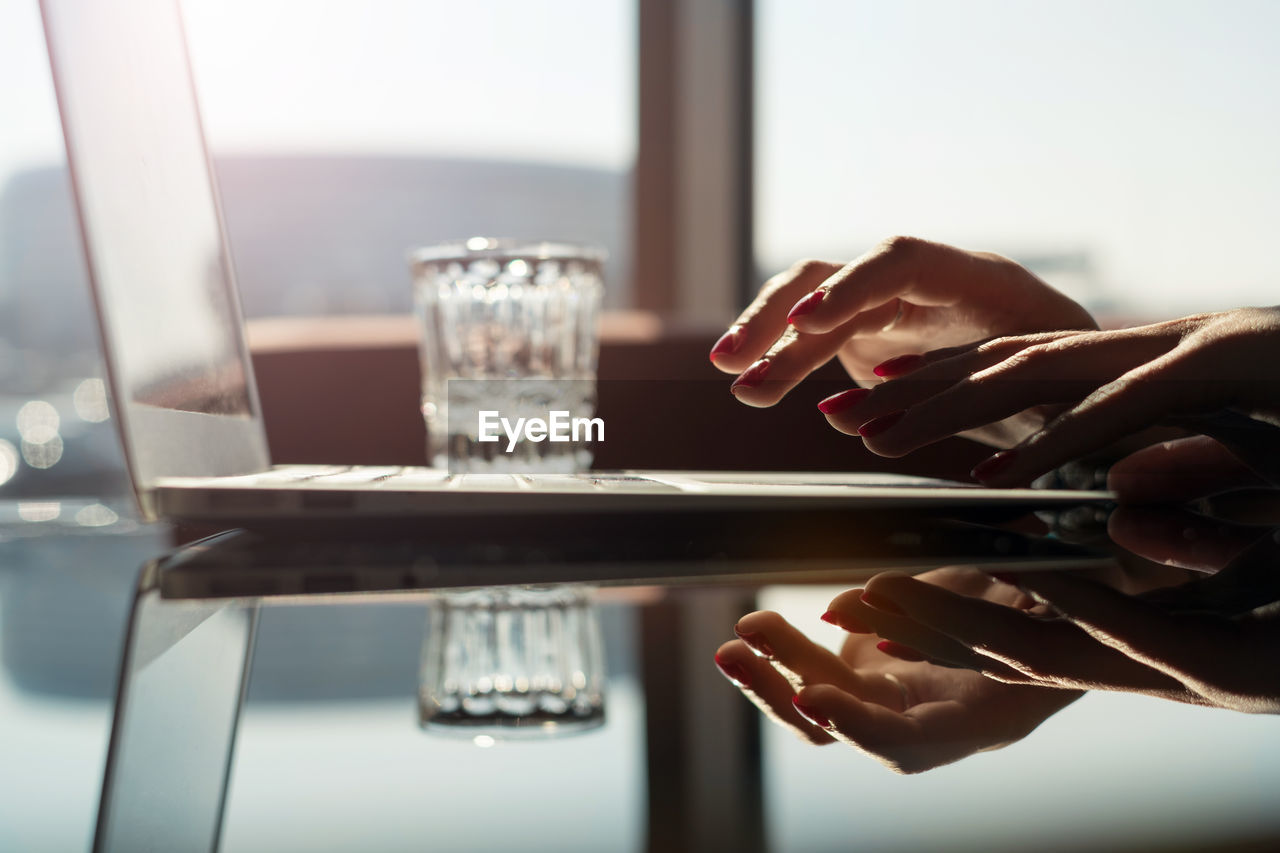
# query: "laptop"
{"type": "Point", "coordinates": [182, 384]}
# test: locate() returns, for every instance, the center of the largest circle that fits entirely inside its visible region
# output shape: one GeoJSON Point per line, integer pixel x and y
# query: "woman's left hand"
{"type": "Point", "coordinates": [1213, 373]}
{"type": "Point", "coordinates": [1212, 641]}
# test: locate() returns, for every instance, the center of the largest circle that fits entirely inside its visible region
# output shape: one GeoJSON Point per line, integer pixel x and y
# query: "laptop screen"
{"type": "Point", "coordinates": [166, 300]}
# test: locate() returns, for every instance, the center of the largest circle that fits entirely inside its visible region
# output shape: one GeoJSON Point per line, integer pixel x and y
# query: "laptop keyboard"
{"type": "Point", "coordinates": [336, 476]}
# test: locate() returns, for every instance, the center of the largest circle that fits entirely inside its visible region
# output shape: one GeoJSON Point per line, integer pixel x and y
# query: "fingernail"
{"type": "Point", "coordinates": [756, 641]}
{"type": "Point", "coordinates": [752, 376]}
{"type": "Point", "coordinates": [839, 402]}
{"type": "Point", "coordinates": [880, 603]}
{"type": "Point", "coordinates": [899, 651]}
{"type": "Point", "coordinates": [849, 623]}
{"type": "Point", "coordinates": [810, 714]}
{"type": "Point", "coordinates": [807, 305]}
{"type": "Point", "coordinates": [1005, 577]}
{"type": "Point", "coordinates": [875, 426]}
{"type": "Point", "coordinates": [728, 343]}
{"type": "Point", "coordinates": [898, 365]}
{"type": "Point", "coordinates": [734, 672]}
{"type": "Point", "coordinates": [993, 465]}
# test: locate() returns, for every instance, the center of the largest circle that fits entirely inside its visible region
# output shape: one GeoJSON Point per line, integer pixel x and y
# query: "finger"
{"type": "Point", "coordinates": [1060, 370]}
{"type": "Point", "coordinates": [1178, 537]}
{"type": "Point", "coordinates": [765, 319]}
{"type": "Point", "coordinates": [789, 360]}
{"type": "Point", "coordinates": [936, 647]}
{"type": "Point", "coordinates": [933, 373]}
{"type": "Point", "coordinates": [1248, 582]}
{"type": "Point", "coordinates": [907, 268]}
{"type": "Point", "coordinates": [925, 736]}
{"type": "Point", "coordinates": [895, 739]}
{"type": "Point", "coordinates": [1251, 441]}
{"type": "Point", "coordinates": [802, 661]}
{"type": "Point", "coordinates": [1141, 397]}
{"type": "Point", "coordinates": [794, 356]}
{"type": "Point", "coordinates": [1052, 652]}
{"type": "Point", "coordinates": [1132, 625]}
{"type": "Point", "coordinates": [1179, 471]}
{"type": "Point", "coordinates": [767, 690]}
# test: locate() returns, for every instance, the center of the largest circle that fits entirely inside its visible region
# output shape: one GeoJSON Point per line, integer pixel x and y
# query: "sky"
{"type": "Point", "coordinates": [1138, 135]}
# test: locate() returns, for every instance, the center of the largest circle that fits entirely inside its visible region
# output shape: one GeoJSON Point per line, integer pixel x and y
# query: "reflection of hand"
{"type": "Point", "coordinates": [904, 296]}
{"type": "Point", "coordinates": [1213, 641]}
{"type": "Point", "coordinates": [1234, 452]}
{"type": "Point", "coordinates": [1214, 373]}
{"type": "Point", "coordinates": [908, 714]}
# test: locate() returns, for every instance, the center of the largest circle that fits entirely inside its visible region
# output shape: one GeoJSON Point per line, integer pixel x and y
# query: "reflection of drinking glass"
{"type": "Point", "coordinates": [509, 328]}
{"type": "Point", "coordinates": [511, 662]}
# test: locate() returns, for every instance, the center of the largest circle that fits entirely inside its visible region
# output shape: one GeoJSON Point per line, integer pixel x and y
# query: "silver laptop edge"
{"type": "Point", "coordinates": [152, 230]}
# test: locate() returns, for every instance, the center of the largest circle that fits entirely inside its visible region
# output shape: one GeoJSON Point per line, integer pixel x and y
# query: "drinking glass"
{"type": "Point", "coordinates": [511, 328]}
{"type": "Point", "coordinates": [512, 662]}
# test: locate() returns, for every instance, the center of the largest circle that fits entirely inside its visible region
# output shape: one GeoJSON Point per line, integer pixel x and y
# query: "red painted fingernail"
{"type": "Point", "coordinates": [994, 465]}
{"type": "Point", "coordinates": [752, 376]}
{"type": "Point", "coordinates": [807, 305]}
{"type": "Point", "coordinates": [899, 651]}
{"type": "Point", "coordinates": [756, 641]}
{"type": "Point", "coordinates": [734, 672]}
{"type": "Point", "coordinates": [728, 343]}
{"type": "Point", "coordinates": [880, 603]}
{"type": "Point", "coordinates": [849, 623]}
{"type": "Point", "coordinates": [875, 426]}
{"type": "Point", "coordinates": [839, 402]}
{"type": "Point", "coordinates": [898, 365]}
{"type": "Point", "coordinates": [810, 714]}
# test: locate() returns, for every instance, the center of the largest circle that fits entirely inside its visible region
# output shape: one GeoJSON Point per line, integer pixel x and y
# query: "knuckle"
{"type": "Point", "coordinates": [805, 269]}
{"type": "Point", "coordinates": [901, 244]}
{"type": "Point", "coordinates": [1029, 357]}
{"type": "Point", "coordinates": [1008, 343]}
{"type": "Point", "coordinates": [1192, 323]}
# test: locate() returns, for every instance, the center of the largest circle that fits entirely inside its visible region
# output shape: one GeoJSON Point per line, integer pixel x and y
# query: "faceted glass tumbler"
{"type": "Point", "coordinates": [519, 322]}
{"type": "Point", "coordinates": [512, 662]}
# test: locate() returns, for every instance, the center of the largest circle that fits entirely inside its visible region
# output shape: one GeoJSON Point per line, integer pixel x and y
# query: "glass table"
{"type": "Point", "coordinates": [289, 721]}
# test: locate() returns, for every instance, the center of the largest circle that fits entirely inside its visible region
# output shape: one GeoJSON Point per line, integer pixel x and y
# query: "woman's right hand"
{"type": "Point", "coordinates": [906, 295]}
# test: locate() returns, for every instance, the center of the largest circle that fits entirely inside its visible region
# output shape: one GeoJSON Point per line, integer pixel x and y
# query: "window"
{"type": "Point", "coordinates": [344, 138]}
{"type": "Point", "coordinates": [1125, 151]}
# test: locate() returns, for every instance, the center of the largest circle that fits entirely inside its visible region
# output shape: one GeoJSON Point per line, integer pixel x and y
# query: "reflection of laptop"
{"type": "Point", "coordinates": [182, 383]}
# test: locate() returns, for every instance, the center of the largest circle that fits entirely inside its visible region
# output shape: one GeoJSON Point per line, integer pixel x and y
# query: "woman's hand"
{"type": "Point", "coordinates": [908, 714]}
{"type": "Point", "coordinates": [904, 296]}
{"type": "Point", "coordinates": [1213, 373]}
{"type": "Point", "coordinates": [1212, 641]}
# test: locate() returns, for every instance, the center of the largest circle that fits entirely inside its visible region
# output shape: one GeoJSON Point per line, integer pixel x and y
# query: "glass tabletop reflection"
{"type": "Point", "coordinates": [296, 720]}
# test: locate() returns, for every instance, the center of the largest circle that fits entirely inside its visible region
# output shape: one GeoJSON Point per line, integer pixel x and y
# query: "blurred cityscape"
{"type": "Point", "coordinates": [309, 236]}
